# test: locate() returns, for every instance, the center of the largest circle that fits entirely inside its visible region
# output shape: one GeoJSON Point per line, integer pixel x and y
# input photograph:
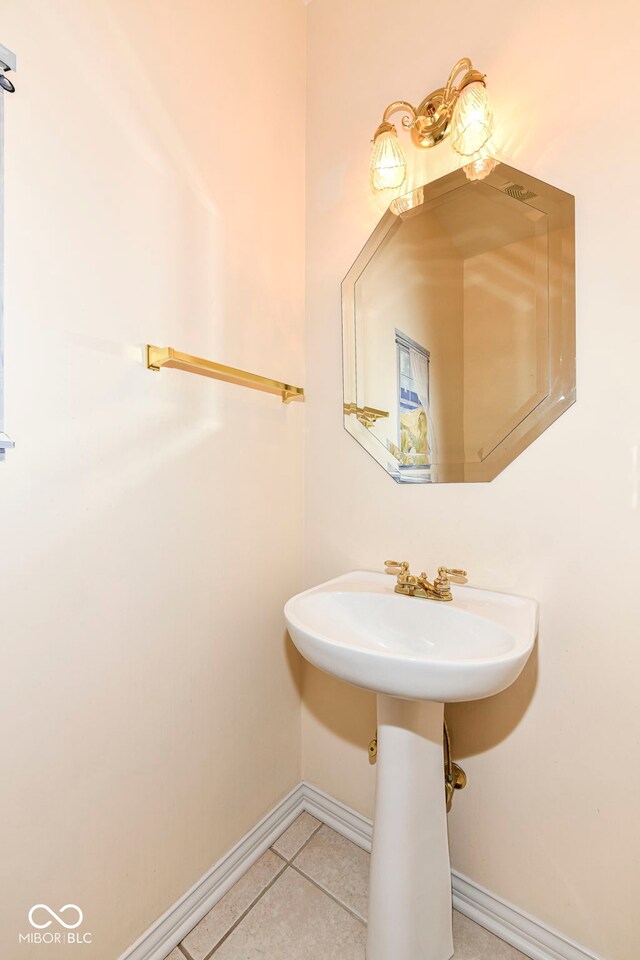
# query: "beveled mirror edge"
{"type": "Point", "coordinates": [562, 339]}
{"type": "Point", "coordinates": [562, 356]}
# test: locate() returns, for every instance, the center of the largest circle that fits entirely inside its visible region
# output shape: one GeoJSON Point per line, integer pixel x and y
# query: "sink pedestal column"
{"type": "Point", "coordinates": [410, 914]}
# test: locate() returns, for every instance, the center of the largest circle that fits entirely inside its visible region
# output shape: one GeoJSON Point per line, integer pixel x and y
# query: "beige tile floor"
{"type": "Point", "coordinates": [306, 899]}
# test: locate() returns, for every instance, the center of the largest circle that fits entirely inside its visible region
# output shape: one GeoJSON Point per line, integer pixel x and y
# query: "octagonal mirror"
{"type": "Point", "coordinates": [459, 326]}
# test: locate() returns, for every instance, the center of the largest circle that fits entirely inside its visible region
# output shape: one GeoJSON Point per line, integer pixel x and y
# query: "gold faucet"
{"type": "Point", "coordinates": [411, 586]}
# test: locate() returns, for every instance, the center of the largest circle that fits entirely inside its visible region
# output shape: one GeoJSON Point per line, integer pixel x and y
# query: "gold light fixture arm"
{"type": "Point", "coordinates": [395, 107]}
{"type": "Point", "coordinates": [430, 121]}
{"type": "Point", "coordinates": [430, 102]}
{"type": "Point", "coordinates": [470, 76]}
{"type": "Point", "coordinates": [158, 357]}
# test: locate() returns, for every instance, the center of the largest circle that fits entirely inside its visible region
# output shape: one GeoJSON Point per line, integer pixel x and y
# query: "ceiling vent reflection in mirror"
{"type": "Point", "coordinates": [459, 326]}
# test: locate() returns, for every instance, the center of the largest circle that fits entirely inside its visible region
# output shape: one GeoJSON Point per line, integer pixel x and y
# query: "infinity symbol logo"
{"type": "Point", "coordinates": [56, 916]}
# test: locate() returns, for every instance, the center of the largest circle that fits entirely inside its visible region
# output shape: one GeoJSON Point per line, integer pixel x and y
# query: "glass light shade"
{"type": "Point", "coordinates": [388, 165]}
{"type": "Point", "coordinates": [472, 121]}
{"type": "Point", "coordinates": [480, 167]}
{"type": "Point", "coordinates": [408, 202]}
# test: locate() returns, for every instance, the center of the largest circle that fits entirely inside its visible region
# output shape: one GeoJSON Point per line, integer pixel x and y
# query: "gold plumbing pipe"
{"type": "Point", "coordinates": [454, 776]}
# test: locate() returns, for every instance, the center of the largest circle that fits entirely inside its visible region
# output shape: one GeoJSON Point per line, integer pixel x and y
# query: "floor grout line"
{"type": "Point", "coordinates": [305, 844]}
{"type": "Point", "coordinates": [328, 894]}
{"type": "Point", "coordinates": [285, 864]}
{"type": "Point", "coordinates": [249, 908]}
{"type": "Point", "coordinates": [300, 849]}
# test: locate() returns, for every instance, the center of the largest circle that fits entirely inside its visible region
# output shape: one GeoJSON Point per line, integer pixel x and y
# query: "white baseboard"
{"type": "Point", "coordinates": [169, 929]}
{"type": "Point", "coordinates": [345, 821]}
{"type": "Point", "coordinates": [528, 935]}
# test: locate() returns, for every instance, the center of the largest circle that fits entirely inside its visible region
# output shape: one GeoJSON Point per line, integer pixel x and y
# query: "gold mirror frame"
{"type": "Point", "coordinates": [558, 209]}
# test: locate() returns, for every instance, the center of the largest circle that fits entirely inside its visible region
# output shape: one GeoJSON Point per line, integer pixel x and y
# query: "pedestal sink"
{"type": "Point", "coordinates": [416, 654]}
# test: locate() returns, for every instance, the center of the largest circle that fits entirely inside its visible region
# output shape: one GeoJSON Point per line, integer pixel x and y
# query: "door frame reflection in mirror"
{"type": "Point", "coordinates": [410, 455]}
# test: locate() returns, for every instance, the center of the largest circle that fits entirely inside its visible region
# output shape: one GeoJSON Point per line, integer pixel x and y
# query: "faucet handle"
{"type": "Point", "coordinates": [393, 566]}
{"type": "Point", "coordinates": [445, 572]}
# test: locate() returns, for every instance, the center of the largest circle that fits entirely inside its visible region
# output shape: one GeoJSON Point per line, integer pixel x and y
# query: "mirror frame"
{"type": "Point", "coordinates": [559, 208]}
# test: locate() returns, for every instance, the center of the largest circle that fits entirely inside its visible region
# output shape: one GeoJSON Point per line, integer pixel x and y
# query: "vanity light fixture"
{"type": "Point", "coordinates": [462, 112]}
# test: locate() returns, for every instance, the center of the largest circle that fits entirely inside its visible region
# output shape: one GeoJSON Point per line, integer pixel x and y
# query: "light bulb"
{"type": "Point", "coordinates": [388, 165]}
{"type": "Point", "coordinates": [472, 120]}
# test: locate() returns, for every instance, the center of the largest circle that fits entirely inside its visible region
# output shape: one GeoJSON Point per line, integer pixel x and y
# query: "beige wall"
{"type": "Point", "coordinates": [550, 817]}
{"type": "Point", "coordinates": [150, 524]}
{"type": "Point", "coordinates": [149, 703]}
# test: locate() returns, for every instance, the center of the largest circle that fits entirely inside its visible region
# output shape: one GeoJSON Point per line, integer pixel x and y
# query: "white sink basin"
{"type": "Point", "coordinates": [415, 654]}
{"type": "Point", "coordinates": [356, 628]}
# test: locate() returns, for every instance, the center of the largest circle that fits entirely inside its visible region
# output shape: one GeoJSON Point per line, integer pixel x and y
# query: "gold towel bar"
{"type": "Point", "coordinates": [168, 357]}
